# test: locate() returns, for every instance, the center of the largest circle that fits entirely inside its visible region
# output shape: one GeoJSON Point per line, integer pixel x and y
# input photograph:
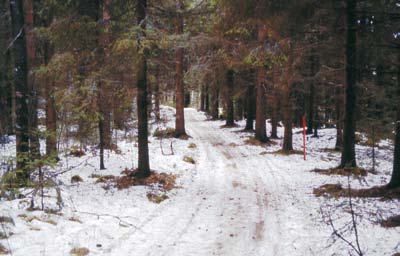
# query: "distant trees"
{"type": "Point", "coordinates": [86, 62]}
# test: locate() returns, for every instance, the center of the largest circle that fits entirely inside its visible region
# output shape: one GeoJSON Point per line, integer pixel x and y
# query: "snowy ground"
{"type": "Point", "coordinates": [237, 199]}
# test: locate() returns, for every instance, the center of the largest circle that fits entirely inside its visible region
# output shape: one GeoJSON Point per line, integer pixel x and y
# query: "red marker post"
{"type": "Point", "coordinates": [304, 136]}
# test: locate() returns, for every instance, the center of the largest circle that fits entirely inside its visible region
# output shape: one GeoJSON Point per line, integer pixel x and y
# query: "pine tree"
{"type": "Point", "coordinates": [143, 169]}
{"type": "Point", "coordinates": [21, 89]}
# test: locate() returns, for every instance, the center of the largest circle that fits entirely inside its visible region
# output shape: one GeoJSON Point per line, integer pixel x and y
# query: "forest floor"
{"type": "Point", "coordinates": [234, 198]}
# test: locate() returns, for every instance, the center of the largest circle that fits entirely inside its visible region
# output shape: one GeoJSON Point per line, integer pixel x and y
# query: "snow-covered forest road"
{"type": "Point", "coordinates": [236, 200]}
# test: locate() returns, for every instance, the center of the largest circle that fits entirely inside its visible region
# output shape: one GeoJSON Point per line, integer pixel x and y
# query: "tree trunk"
{"type": "Point", "coordinates": [310, 121]}
{"type": "Point", "coordinates": [101, 127]}
{"type": "Point", "coordinates": [287, 104]}
{"type": "Point", "coordinates": [207, 99]}
{"type": "Point", "coordinates": [339, 118]}
{"type": "Point", "coordinates": [250, 108]}
{"type": "Point", "coordinates": [51, 115]}
{"type": "Point", "coordinates": [287, 120]}
{"type": "Point", "coordinates": [229, 101]}
{"type": "Point", "coordinates": [202, 97]}
{"type": "Point", "coordinates": [274, 118]}
{"type": "Point", "coordinates": [395, 179]}
{"type": "Point", "coordinates": [33, 91]}
{"type": "Point", "coordinates": [157, 96]}
{"type": "Point", "coordinates": [348, 150]}
{"type": "Point", "coordinates": [143, 169]}
{"type": "Point", "coordinates": [261, 129]}
{"type": "Point", "coordinates": [180, 91]}
{"type": "Point", "coordinates": [215, 105]}
{"type": "Point", "coordinates": [239, 109]}
{"type": "Point", "coordinates": [105, 104]}
{"type": "Point", "coordinates": [6, 89]}
{"type": "Point", "coordinates": [21, 90]}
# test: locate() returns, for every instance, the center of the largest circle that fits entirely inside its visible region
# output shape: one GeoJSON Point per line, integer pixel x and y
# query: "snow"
{"type": "Point", "coordinates": [236, 199]}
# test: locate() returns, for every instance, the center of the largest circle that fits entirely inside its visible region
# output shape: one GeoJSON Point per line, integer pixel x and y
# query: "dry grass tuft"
{"type": "Point", "coordinates": [32, 218]}
{"type": "Point", "coordinates": [283, 152]}
{"type": "Point", "coordinates": [192, 146]}
{"type": "Point", "coordinates": [77, 152]}
{"type": "Point", "coordinates": [164, 133]}
{"type": "Point", "coordinates": [156, 198]}
{"type": "Point", "coordinates": [344, 171]}
{"type": "Point", "coordinates": [189, 160]}
{"type": "Point", "coordinates": [333, 190]}
{"type": "Point", "coordinates": [254, 142]}
{"type": "Point", "coordinates": [76, 179]}
{"type": "Point", "coordinates": [3, 250]}
{"type": "Point", "coordinates": [230, 126]}
{"type": "Point", "coordinates": [79, 251]}
{"type": "Point", "coordinates": [391, 222]}
{"type": "Point", "coordinates": [336, 190]}
{"type": "Point", "coordinates": [94, 176]}
{"type": "Point", "coordinates": [105, 178]}
{"type": "Point", "coordinates": [4, 219]}
{"type": "Point", "coordinates": [127, 180]}
{"type": "Point", "coordinates": [73, 219]}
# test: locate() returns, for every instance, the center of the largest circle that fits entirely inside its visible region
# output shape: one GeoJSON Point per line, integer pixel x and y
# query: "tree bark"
{"type": "Point", "coordinates": [274, 118]}
{"type": "Point", "coordinates": [250, 108]}
{"type": "Point", "coordinates": [207, 99]}
{"type": "Point", "coordinates": [310, 121]}
{"type": "Point", "coordinates": [143, 169]}
{"type": "Point", "coordinates": [339, 120]}
{"type": "Point", "coordinates": [202, 97]}
{"type": "Point", "coordinates": [50, 109]}
{"type": "Point", "coordinates": [21, 90]}
{"type": "Point", "coordinates": [180, 91]}
{"type": "Point", "coordinates": [395, 179]}
{"type": "Point", "coordinates": [6, 89]}
{"type": "Point", "coordinates": [287, 104]}
{"type": "Point", "coordinates": [101, 127]}
{"type": "Point", "coordinates": [261, 132]}
{"type": "Point", "coordinates": [157, 96]}
{"type": "Point", "coordinates": [215, 105]}
{"type": "Point", "coordinates": [287, 120]}
{"type": "Point", "coordinates": [33, 91]}
{"type": "Point", "coordinates": [348, 158]}
{"type": "Point", "coordinates": [105, 104]}
{"type": "Point", "coordinates": [229, 101]}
